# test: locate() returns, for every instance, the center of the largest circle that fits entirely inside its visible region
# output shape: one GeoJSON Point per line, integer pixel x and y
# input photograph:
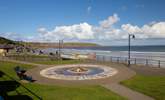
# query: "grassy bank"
{"type": "Point", "coordinates": [54, 92]}
{"type": "Point", "coordinates": [153, 86]}
{"type": "Point", "coordinates": [42, 59]}
{"type": "Point", "coordinates": [58, 62]}
{"type": "Point", "coordinates": [80, 44]}
{"type": "Point", "coordinates": [73, 93]}
{"type": "Point", "coordinates": [56, 45]}
{"type": "Point", "coordinates": [8, 68]}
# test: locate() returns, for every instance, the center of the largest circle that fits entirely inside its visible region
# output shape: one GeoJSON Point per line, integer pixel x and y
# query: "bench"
{"type": "Point", "coordinates": [21, 74]}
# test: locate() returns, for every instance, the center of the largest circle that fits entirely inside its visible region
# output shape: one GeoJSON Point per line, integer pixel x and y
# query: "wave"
{"type": "Point", "coordinates": [134, 54]}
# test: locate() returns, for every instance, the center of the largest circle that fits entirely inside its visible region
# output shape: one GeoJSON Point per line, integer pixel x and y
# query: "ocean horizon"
{"type": "Point", "coordinates": [144, 48]}
{"type": "Point", "coordinates": [141, 52]}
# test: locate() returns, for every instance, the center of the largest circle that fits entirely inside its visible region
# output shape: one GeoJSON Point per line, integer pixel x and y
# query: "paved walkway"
{"type": "Point", "coordinates": [126, 92]}
{"type": "Point", "coordinates": [111, 83]}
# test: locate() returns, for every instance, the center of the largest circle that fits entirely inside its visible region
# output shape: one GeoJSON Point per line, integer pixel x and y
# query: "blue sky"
{"type": "Point", "coordinates": [25, 17]}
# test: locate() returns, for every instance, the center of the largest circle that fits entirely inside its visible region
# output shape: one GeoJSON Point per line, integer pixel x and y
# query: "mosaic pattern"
{"type": "Point", "coordinates": [78, 72]}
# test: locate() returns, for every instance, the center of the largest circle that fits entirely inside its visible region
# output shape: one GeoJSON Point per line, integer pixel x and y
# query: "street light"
{"type": "Point", "coordinates": [129, 46]}
{"type": "Point", "coordinates": [60, 46]}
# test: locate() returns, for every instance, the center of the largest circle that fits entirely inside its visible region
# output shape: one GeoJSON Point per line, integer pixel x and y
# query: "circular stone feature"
{"type": "Point", "coordinates": [78, 72]}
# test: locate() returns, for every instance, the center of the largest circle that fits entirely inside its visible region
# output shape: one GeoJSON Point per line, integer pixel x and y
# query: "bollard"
{"type": "Point", "coordinates": [146, 62]}
{"type": "Point", "coordinates": [103, 58]}
{"type": "Point", "coordinates": [111, 59]}
{"type": "Point", "coordinates": [135, 61]}
{"type": "Point", "coordinates": [96, 58]}
{"type": "Point", "coordinates": [117, 59]}
{"type": "Point", "coordinates": [126, 60]}
{"type": "Point", "coordinates": [159, 63]}
{"type": "Point", "coordinates": [23, 58]}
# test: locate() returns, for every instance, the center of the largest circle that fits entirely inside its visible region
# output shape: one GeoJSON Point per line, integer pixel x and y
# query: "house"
{"type": "Point", "coordinates": [4, 49]}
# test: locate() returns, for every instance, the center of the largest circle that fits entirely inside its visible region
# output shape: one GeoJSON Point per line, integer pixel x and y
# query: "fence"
{"type": "Point", "coordinates": [138, 61]}
{"type": "Point", "coordinates": [103, 58]}
{"type": "Point", "coordinates": [30, 58]}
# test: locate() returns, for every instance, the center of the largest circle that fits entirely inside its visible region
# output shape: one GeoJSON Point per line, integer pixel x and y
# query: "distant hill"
{"type": "Point", "coordinates": [47, 45]}
{"type": "Point", "coordinates": [6, 41]}
{"type": "Point", "coordinates": [80, 44]}
{"type": "Point", "coordinates": [56, 45]}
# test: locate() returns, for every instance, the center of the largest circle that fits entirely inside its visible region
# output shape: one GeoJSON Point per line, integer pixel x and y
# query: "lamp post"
{"type": "Point", "coordinates": [60, 47]}
{"type": "Point", "coordinates": [129, 47]}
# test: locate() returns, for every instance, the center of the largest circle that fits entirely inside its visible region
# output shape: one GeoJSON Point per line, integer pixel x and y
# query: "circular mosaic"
{"type": "Point", "coordinates": [78, 72]}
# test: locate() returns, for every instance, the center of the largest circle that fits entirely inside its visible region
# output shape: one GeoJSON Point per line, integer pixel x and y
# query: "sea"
{"type": "Point", "coordinates": [151, 55]}
{"type": "Point", "coordinates": [142, 52]}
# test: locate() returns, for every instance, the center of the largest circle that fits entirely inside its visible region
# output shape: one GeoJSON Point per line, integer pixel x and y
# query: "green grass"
{"type": "Point", "coordinates": [6, 41]}
{"type": "Point", "coordinates": [153, 86]}
{"type": "Point", "coordinates": [80, 44]}
{"type": "Point", "coordinates": [73, 92]}
{"type": "Point", "coordinates": [58, 62]}
{"type": "Point", "coordinates": [27, 55]}
{"type": "Point", "coordinates": [55, 92]}
{"type": "Point", "coordinates": [48, 61]}
{"type": "Point", "coordinates": [8, 68]}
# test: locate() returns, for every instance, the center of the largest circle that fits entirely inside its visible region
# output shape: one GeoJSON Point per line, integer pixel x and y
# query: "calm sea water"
{"type": "Point", "coordinates": [125, 48]}
{"type": "Point", "coordinates": [146, 52]}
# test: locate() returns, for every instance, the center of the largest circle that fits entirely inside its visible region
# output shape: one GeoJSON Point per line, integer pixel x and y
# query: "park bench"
{"type": "Point", "coordinates": [21, 74]}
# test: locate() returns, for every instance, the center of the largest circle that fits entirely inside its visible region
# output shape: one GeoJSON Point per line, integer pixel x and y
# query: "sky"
{"type": "Point", "coordinates": [107, 22]}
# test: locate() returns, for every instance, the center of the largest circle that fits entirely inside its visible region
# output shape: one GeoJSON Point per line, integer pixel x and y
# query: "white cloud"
{"type": "Point", "coordinates": [42, 30]}
{"type": "Point", "coordinates": [110, 21]}
{"type": "Point", "coordinates": [105, 31]}
{"type": "Point", "coordinates": [83, 31]}
{"type": "Point", "coordinates": [13, 36]}
{"type": "Point", "coordinates": [76, 31]}
{"type": "Point", "coordinates": [155, 30]}
{"type": "Point", "coordinates": [86, 32]}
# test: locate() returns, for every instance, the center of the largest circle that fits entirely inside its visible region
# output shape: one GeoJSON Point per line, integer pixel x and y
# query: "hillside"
{"type": "Point", "coordinates": [6, 41]}
{"type": "Point", "coordinates": [56, 45]}
{"type": "Point", "coordinates": [80, 44]}
{"type": "Point", "coordinates": [47, 45]}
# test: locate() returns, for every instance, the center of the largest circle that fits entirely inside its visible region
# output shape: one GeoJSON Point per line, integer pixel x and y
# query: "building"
{"type": "Point", "coordinates": [4, 49]}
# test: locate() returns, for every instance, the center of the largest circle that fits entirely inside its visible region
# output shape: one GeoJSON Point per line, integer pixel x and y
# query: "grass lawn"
{"type": "Point", "coordinates": [57, 62]}
{"type": "Point", "coordinates": [8, 68]}
{"type": "Point", "coordinates": [55, 92]}
{"type": "Point", "coordinates": [22, 56]}
{"type": "Point", "coordinates": [73, 92]}
{"type": "Point", "coordinates": [31, 58]}
{"type": "Point", "coordinates": [153, 86]}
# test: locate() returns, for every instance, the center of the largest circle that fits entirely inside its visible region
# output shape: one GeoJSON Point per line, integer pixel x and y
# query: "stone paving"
{"type": "Point", "coordinates": [66, 74]}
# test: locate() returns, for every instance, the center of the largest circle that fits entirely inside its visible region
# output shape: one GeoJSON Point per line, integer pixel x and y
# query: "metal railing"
{"type": "Point", "coordinates": [29, 58]}
{"type": "Point", "coordinates": [136, 61]}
